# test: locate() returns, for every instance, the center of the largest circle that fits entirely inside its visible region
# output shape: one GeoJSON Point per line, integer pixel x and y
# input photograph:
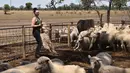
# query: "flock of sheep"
{"type": "Point", "coordinates": [109, 35]}
{"type": "Point", "coordinates": [97, 37]}
{"type": "Point", "coordinates": [101, 63]}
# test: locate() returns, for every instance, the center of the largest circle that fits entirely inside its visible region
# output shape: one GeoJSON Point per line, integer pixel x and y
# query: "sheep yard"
{"type": "Point", "coordinates": [16, 40]}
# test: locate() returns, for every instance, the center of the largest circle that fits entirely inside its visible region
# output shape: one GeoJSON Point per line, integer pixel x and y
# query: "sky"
{"type": "Point", "coordinates": [43, 3]}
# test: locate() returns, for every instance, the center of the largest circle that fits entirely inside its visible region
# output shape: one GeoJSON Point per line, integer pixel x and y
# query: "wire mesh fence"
{"type": "Point", "coordinates": [18, 40]}
{"type": "Point", "coordinates": [14, 39]}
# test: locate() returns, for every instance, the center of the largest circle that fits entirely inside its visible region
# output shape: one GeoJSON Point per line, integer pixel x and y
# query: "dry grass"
{"type": "Point", "coordinates": [65, 15]}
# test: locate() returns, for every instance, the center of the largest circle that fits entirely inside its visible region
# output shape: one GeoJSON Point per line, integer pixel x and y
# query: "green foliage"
{"type": "Point", "coordinates": [28, 5]}
{"type": "Point", "coordinates": [72, 6]}
{"type": "Point", "coordinates": [6, 8]}
{"type": "Point", "coordinates": [118, 4]}
{"type": "Point", "coordinates": [39, 6]}
{"type": "Point", "coordinates": [87, 3]}
{"type": "Point", "coordinates": [53, 3]}
{"type": "Point", "coordinates": [13, 8]}
{"type": "Point", "coordinates": [21, 7]}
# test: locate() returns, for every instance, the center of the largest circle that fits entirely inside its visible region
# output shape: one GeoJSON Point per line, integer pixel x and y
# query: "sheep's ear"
{"type": "Point", "coordinates": [89, 56]}
{"type": "Point", "coordinates": [47, 60]}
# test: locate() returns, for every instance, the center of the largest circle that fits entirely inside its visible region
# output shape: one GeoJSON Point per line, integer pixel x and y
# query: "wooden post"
{"type": "Point", "coordinates": [108, 11]}
{"type": "Point", "coordinates": [72, 23]}
{"type": "Point", "coordinates": [122, 22]}
{"type": "Point", "coordinates": [101, 24]}
{"type": "Point", "coordinates": [23, 42]}
{"type": "Point", "coordinates": [68, 35]}
{"type": "Point", "coordinates": [50, 31]}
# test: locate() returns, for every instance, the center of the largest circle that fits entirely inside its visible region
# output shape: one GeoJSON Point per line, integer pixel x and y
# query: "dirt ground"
{"type": "Point", "coordinates": [24, 17]}
{"type": "Point", "coordinates": [121, 59]}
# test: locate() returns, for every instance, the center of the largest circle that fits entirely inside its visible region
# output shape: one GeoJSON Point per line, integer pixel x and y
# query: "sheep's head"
{"type": "Point", "coordinates": [93, 60]}
{"type": "Point", "coordinates": [42, 61]}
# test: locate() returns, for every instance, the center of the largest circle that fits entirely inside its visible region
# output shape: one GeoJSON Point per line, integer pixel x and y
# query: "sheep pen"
{"type": "Point", "coordinates": [121, 59]}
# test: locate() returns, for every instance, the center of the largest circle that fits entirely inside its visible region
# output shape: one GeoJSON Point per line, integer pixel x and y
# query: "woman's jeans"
{"type": "Point", "coordinates": [37, 36]}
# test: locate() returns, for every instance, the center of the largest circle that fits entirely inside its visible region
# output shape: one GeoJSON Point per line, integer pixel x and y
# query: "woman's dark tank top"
{"type": "Point", "coordinates": [38, 21]}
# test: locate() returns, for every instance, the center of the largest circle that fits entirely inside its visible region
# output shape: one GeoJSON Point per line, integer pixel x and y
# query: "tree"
{"type": "Point", "coordinates": [87, 3]}
{"type": "Point", "coordinates": [104, 7]}
{"type": "Point", "coordinates": [118, 4]}
{"type": "Point", "coordinates": [6, 8]}
{"type": "Point", "coordinates": [28, 6]}
{"type": "Point", "coordinates": [21, 7]}
{"type": "Point", "coordinates": [13, 8]}
{"type": "Point", "coordinates": [39, 6]}
{"type": "Point", "coordinates": [53, 3]}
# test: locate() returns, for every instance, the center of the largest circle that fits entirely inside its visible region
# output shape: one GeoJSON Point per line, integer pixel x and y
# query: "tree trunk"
{"type": "Point", "coordinates": [5, 12]}
{"type": "Point", "coordinates": [108, 12]}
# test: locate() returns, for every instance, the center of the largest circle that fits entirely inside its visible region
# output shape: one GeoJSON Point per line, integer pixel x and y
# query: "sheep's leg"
{"type": "Point", "coordinates": [113, 46]}
{"type": "Point", "coordinates": [75, 45]}
{"type": "Point", "coordinates": [52, 49]}
{"type": "Point", "coordinates": [123, 46]}
{"type": "Point", "coordinates": [91, 43]}
{"type": "Point", "coordinates": [78, 46]}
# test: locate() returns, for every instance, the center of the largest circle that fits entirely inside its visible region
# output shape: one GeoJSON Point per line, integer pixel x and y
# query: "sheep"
{"type": "Point", "coordinates": [60, 34]}
{"type": "Point", "coordinates": [58, 68]}
{"type": "Point", "coordinates": [103, 56]}
{"type": "Point", "coordinates": [123, 37]}
{"type": "Point", "coordinates": [24, 62]}
{"type": "Point", "coordinates": [74, 36]}
{"type": "Point", "coordinates": [46, 69]}
{"type": "Point", "coordinates": [13, 71]}
{"type": "Point", "coordinates": [4, 66]}
{"type": "Point", "coordinates": [29, 68]}
{"type": "Point", "coordinates": [99, 67]}
{"type": "Point", "coordinates": [84, 38]}
{"type": "Point", "coordinates": [47, 44]}
{"type": "Point", "coordinates": [107, 36]}
{"type": "Point", "coordinates": [58, 61]}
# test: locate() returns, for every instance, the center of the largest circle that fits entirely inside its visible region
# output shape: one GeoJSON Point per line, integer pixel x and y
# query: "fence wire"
{"type": "Point", "coordinates": [18, 40]}
{"type": "Point", "coordinates": [14, 39]}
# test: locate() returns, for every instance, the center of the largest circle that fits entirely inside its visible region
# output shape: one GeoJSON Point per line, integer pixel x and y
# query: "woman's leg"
{"type": "Point", "coordinates": [39, 41]}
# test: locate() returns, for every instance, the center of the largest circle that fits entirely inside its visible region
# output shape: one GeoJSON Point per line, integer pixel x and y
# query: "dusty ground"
{"type": "Point", "coordinates": [24, 17]}
{"type": "Point", "coordinates": [121, 59]}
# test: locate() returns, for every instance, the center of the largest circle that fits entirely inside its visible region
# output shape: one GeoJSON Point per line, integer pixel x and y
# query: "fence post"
{"type": "Point", "coordinates": [122, 22]}
{"type": "Point", "coordinates": [68, 35]}
{"type": "Point", "coordinates": [23, 42]}
{"type": "Point", "coordinates": [50, 31]}
{"type": "Point", "coordinates": [72, 23]}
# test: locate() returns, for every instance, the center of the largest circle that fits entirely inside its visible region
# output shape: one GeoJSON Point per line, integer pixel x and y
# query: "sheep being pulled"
{"type": "Point", "coordinates": [47, 44]}
{"type": "Point", "coordinates": [59, 68]}
{"type": "Point", "coordinates": [83, 40]}
{"type": "Point", "coordinates": [103, 56]}
{"type": "Point", "coordinates": [99, 67]}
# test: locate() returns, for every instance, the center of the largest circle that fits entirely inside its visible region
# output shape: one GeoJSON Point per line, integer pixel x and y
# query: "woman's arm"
{"type": "Point", "coordinates": [33, 22]}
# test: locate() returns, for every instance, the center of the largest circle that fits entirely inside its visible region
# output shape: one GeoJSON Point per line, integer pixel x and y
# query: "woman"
{"type": "Point", "coordinates": [37, 24]}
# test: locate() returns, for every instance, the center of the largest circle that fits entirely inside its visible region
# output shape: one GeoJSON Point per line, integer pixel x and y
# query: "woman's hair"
{"type": "Point", "coordinates": [34, 10]}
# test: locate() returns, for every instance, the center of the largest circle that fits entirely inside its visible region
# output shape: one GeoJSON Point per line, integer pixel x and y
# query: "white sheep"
{"type": "Point", "coordinates": [29, 68]}
{"type": "Point", "coordinates": [84, 38]}
{"type": "Point", "coordinates": [59, 68]}
{"type": "Point", "coordinates": [101, 68]}
{"type": "Point", "coordinates": [74, 36]}
{"type": "Point", "coordinates": [103, 56]}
